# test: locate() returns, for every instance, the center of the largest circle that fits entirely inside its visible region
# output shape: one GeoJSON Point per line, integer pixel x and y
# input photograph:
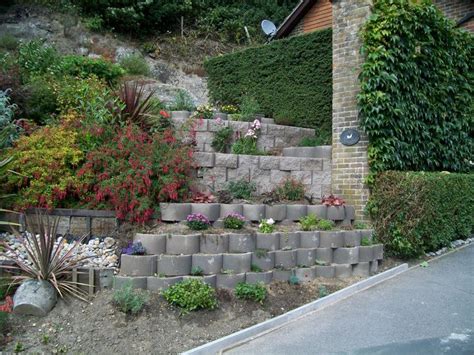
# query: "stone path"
{"type": "Point", "coordinates": [424, 311]}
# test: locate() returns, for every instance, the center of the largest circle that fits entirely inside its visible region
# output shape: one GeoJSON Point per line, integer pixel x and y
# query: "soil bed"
{"type": "Point", "coordinates": [98, 327]}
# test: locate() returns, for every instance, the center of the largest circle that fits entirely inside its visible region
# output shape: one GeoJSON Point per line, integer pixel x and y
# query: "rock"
{"type": "Point", "coordinates": [35, 298]}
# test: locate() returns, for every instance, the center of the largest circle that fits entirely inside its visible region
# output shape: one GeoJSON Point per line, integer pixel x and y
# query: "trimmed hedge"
{"type": "Point", "coordinates": [417, 88]}
{"type": "Point", "coordinates": [291, 79]}
{"type": "Point", "coordinates": [417, 212]}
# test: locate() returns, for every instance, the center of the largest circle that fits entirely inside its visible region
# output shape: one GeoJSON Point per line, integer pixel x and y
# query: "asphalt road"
{"type": "Point", "coordinates": [423, 311]}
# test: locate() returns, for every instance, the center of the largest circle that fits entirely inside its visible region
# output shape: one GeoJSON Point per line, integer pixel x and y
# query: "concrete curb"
{"type": "Point", "coordinates": [232, 340]}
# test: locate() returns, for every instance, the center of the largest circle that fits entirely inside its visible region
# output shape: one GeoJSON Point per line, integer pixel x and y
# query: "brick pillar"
{"type": "Point", "coordinates": [349, 164]}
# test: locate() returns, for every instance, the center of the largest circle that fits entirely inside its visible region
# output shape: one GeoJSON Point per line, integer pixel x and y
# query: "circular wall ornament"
{"type": "Point", "coordinates": [350, 137]}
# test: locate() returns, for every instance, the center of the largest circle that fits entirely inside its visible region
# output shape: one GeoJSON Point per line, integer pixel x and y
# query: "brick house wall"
{"type": "Point", "coordinates": [318, 17]}
{"type": "Point", "coordinates": [349, 164]}
{"type": "Point", "coordinates": [455, 9]}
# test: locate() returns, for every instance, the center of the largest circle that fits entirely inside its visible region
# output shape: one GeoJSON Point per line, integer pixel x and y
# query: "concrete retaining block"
{"type": "Point", "coordinates": [306, 257]}
{"type": "Point", "coordinates": [296, 212]}
{"type": "Point", "coordinates": [318, 210]}
{"type": "Point", "coordinates": [187, 244]}
{"type": "Point", "coordinates": [305, 274]}
{"type": "Point", "coordinates": [325, 271]}
{"type": "Point", "coordinates": [282, 275]}
{"type": "Point", "coordinates": [268, 241]}
{"type": "Point", "coordinates": [136, 282]}
{"type": "Point", "coordinates": [277, 212]}
{"type": "Point", "coordinates": [374, 267]}
{"type": "Point", "coordinates": [324, 254]}
{"type": "Point", "coordinates": [331, 239]}
{"type": "Point", "coordinates": [208, 263]}
{"type": "Point", "coordinates": [161, 283]}
{"type": "Point", "coordinates": [211, 280]}
{"type": "Point", "coordinates": [289, 240]}
{"type": "Point", "coordinates": [256, 277]}
{"type": "Point", "coordinates": [378, 251]}
{"type": "Point", "coordinates": [346, 255]}
{"type": "Point", "coordinates": [336, 213]}
{"type": "Point", "coordinates": [137, 265]}
{"type": "Point", "coordinates": [231, 208]}
{"type": "Point", "coordinates": [254, 212]}
{"type": "Point", "coordinates": [241, 243]}
{"type": "Point", "coordinates": [349, 212]}
{"type": "Point", "coordinates": [366, 253]}
{"type": "Point", "coordinates": [180, 115]}
{"type": "Point", "coordinates": [174, 265]}
{"type": "Point", "coordinates": [154, 244]}
{"type": "Point", "coordinates": [237, 263]}
{"type": "Point", "coordinates": [309, 239]}
{"type": "Point", "coordinates": [265, 262]}
{"type": "Point", "coordinates": [229, 280]}
{"type": "Point", "coordinates": [361, 269]}
{"type": "Point", "coordinates": [343, 271]}
{"type": "Point", "coordinates": [210, 210]}
{"type": "Point", "coordinates": [173, 212]}
{"type": "Point", "coordinates": [351, 238]}
{"type": "Point", "coordinates": [214, 243]}
{"type": "Point", "coordinates": [285, 258]}
{"type": "Point", "coordinates": [366, 233]}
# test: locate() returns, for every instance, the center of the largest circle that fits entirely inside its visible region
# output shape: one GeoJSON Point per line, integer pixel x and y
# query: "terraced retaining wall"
{"type": "Point", "coordinates": [229, 258]}
{"type": "Point", "coordinates": [217, 169]}
{"type": "Point", "coordinates": [272, 136]}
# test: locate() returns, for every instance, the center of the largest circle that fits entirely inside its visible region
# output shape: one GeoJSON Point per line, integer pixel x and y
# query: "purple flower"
{"type": "Point", "coordinates": [198, 217]}
{"type": "Point", "coordinates": [236, 215]}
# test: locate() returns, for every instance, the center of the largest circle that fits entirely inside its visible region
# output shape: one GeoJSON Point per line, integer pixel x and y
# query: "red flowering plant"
{"type": "Point", "coordinates": [332, 200]}
{"type": "Point", "coordinates": [135, 171]}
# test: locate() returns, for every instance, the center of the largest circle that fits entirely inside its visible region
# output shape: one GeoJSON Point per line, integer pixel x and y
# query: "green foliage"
{"type": "Point", "coordinates": [322, 291]}
{"type": "Point", "coordinates": [222, 139]}
{"type": "Point", "coordinates": [41, 101]}
{"type": "Point", "coordinates": [7, 110]}
{"type": "Point", "coordinates": [196, 271]}
{"type": "Point", "coordinates": [242, 189]}
{"type": "Point", "coordinates": [234, 221]}
{"type": "Point", "coordinates": [45, 164]}
{"type": "Point", "coordinates": [249, 108]}
{"type": "Point", "coordinates": [266, 226]}
{"type": "Point", "coordinates": [416, 90]}
{"type": "Point", "coordinates": [325, 225]}
{"type": "Point", "coordinates": [129, 300]}
{"type": "Point", "coordinates": [360, 225]}
{"type": "Point", "coordinates": [309, 222]}
{"type": "Point", "coordinates": [135, 64]}
{"type": "Point", "coordinates": [247, 146]}
{"type": "Point", "coordinates": [8, 42]}
{"type": "Point", "coordinates": [314, 141]}
{"type": "Point", "coordinates": [19, 347]}
{"type": "Point", "coordinates": [255, 268]}
{"type": "Point", "coordinates": [4, 322]}
{"type": "Point", "coordinates": [365, 242]}
{"type": "Point", "coordinates": [415, 213]}
{"type": "Point", "coordinates": [291, 79]}
{"type": "Point", "coordinates": [252, 292]}
{"type": "Point", "coordinates": [191, 295]}
{"type": "Point", "coordinates": [93, 23]}
{"type": "Point", "coordinates": [84, 67]}
{"type": "Point", "coordinates": [291, 190]}
{"type": "Point", "coordinates": [36, 58]}
{"type": "Point", "coordinates": [182, 102]}
{"type": "Point", "coordinates": [294, 280]}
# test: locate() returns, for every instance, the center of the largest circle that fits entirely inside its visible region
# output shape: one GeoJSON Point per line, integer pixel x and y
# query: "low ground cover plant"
{"type": "Point", "coordinates": [242, 189]}
{"type": "Point", "coordinates": [291, 190]}
{"type": "Point", "coordinates": [197, 221]}
{"type": "Point", "coordinates": [135, 64]}
{"type": "Point", "coordinates": [222, 139]}
{"type": "Point", "coordinates": [325, 225]}
{"type": "Point", "coordinates": [234, 221]}
{"type": "Point", "coordinates": [266, 226]}
{"type": "Point", "coordinates": [129, 300]}
{"type": "Point", "coordinates": [309, 222]}
{"type": "Point", "coordinates": [190, 295]}
{"type": "Point", "coordinates": [253, 292]}
{"type": "Point", "coordinates": [134, 248]}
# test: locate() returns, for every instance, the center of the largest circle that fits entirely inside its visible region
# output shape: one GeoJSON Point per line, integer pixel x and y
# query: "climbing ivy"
{"type": "Point", "coordinates": [416, 89]}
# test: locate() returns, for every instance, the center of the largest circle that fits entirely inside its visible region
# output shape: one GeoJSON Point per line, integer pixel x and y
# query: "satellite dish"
{"type": "Point", "coordinates": [268, 27]}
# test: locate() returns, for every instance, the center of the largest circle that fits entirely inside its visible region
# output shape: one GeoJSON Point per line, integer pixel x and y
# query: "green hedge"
{"type": "Point", "coordinates": [416, 212]}
{"type": "Point", "coordinates": [417, 88]}
{"type": "Point", "coordinates": [291, 79]}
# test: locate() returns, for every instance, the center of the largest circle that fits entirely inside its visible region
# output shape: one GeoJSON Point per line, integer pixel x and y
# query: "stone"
{"type": "Point", "coordinates": [343, 271]}
{"type": "Point", "coordinates": [183, 244]}
{"type": "Point", "coordinates": [241, 243]}
{"type": "Point", "coordinates": [229, 280]}
{"type": "Point", "coordinates": [319, 211]}
{"type": "Point", "coordinates": [265, 260]}
{"type": "Point", "coordinates": [214, 243]}
{"type": "Point", "coordinates": [285, 259]}
{"type": "Point", "coordinates": [361, 269]}
{"type": "Point", "coordinates": [346, 255]}
{"type": "Point", "coordinates": [289, 240]}
{"type": "Point", "coordinates": [325, 271]}
{"type": "Point", "coordinates": [374, 267]}
{"type": "Point", "coordinates": [231, 208]}
{"type": "Point", "coordinates": [174, 265]}
{"type": "Point", "coordinates": [204, 160]}
{"type": "Point", "coordinates": [226, 160]}
{"type": "Point", "coordinates": [309, 239]}
{"type": "Point", "coordinates": [331, 239]}
{"type": "Point", "coordinates": [210, 210]}
{"type": "Point", "coordinates": [278, 176]}
{"type": "Point", "coordinates": [290, 163]}
{"type": "Point", "coordinates": [174, 212]}
{"type": "Point", "coordinates": [254, 212]}
{"type": "Point", "coordinates": [295, 212]}
{"type": "Point", "coordinates": [282, 275]}
{"type": "Point", "coordinates": [268, 241]}
{"type": "Point", "coordinates": [154, 244]}
{"type": "Point", "coordinates": [378, 251]}
{"type": "Point", "coordinates": [366, 253]}
{"type": "Point", "coordinates": [269, 163]}
{"type": "Point", "coordinates": [324, 255]}
{"type": "Point", "coordinates": [351, 238]}
{"type": "Point", "coordinates": [208, 263]}
{"type": "Point", "coordinates": [259, 277]}
{"type": "Point", "coordinates": [335, 213]}
{"type": "Point", "coordinates": [305, 274]}
{"type": "Point", "coordinates": [237, 263]}
{"type": "Point", "coordinates": [135, 282]}
{"type": "Point", "coordinates": [137, 265]}
{"type": "Point", "coordinates": [207, 279]}
{"type": "Point", "coordinates": [349, 212]}
{"type": "Point", "coordinates": [162, 283]}
{"type": "Point", "coordinates": [306, 257]}
{"type": "Point", "coordinates": [276, 212]}
{"type": "Point", "coordinates": [34, 297]}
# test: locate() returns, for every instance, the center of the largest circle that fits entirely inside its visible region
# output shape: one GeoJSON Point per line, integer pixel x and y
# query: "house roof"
{"type": "Point", "coordinates": [466, 18]}
{"type": "Point", "coordinates": [294, 18]}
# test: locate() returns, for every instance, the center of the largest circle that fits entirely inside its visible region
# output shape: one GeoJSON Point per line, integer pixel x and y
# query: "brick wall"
{"type": "Point", "coordinates": [455, 9]}
{"type": "Point", "coordinates": [318, 17]}
{"type": "Point", "coordinates": [349, 164]}
{"type": "Point", "coordinates": [265, 171]}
